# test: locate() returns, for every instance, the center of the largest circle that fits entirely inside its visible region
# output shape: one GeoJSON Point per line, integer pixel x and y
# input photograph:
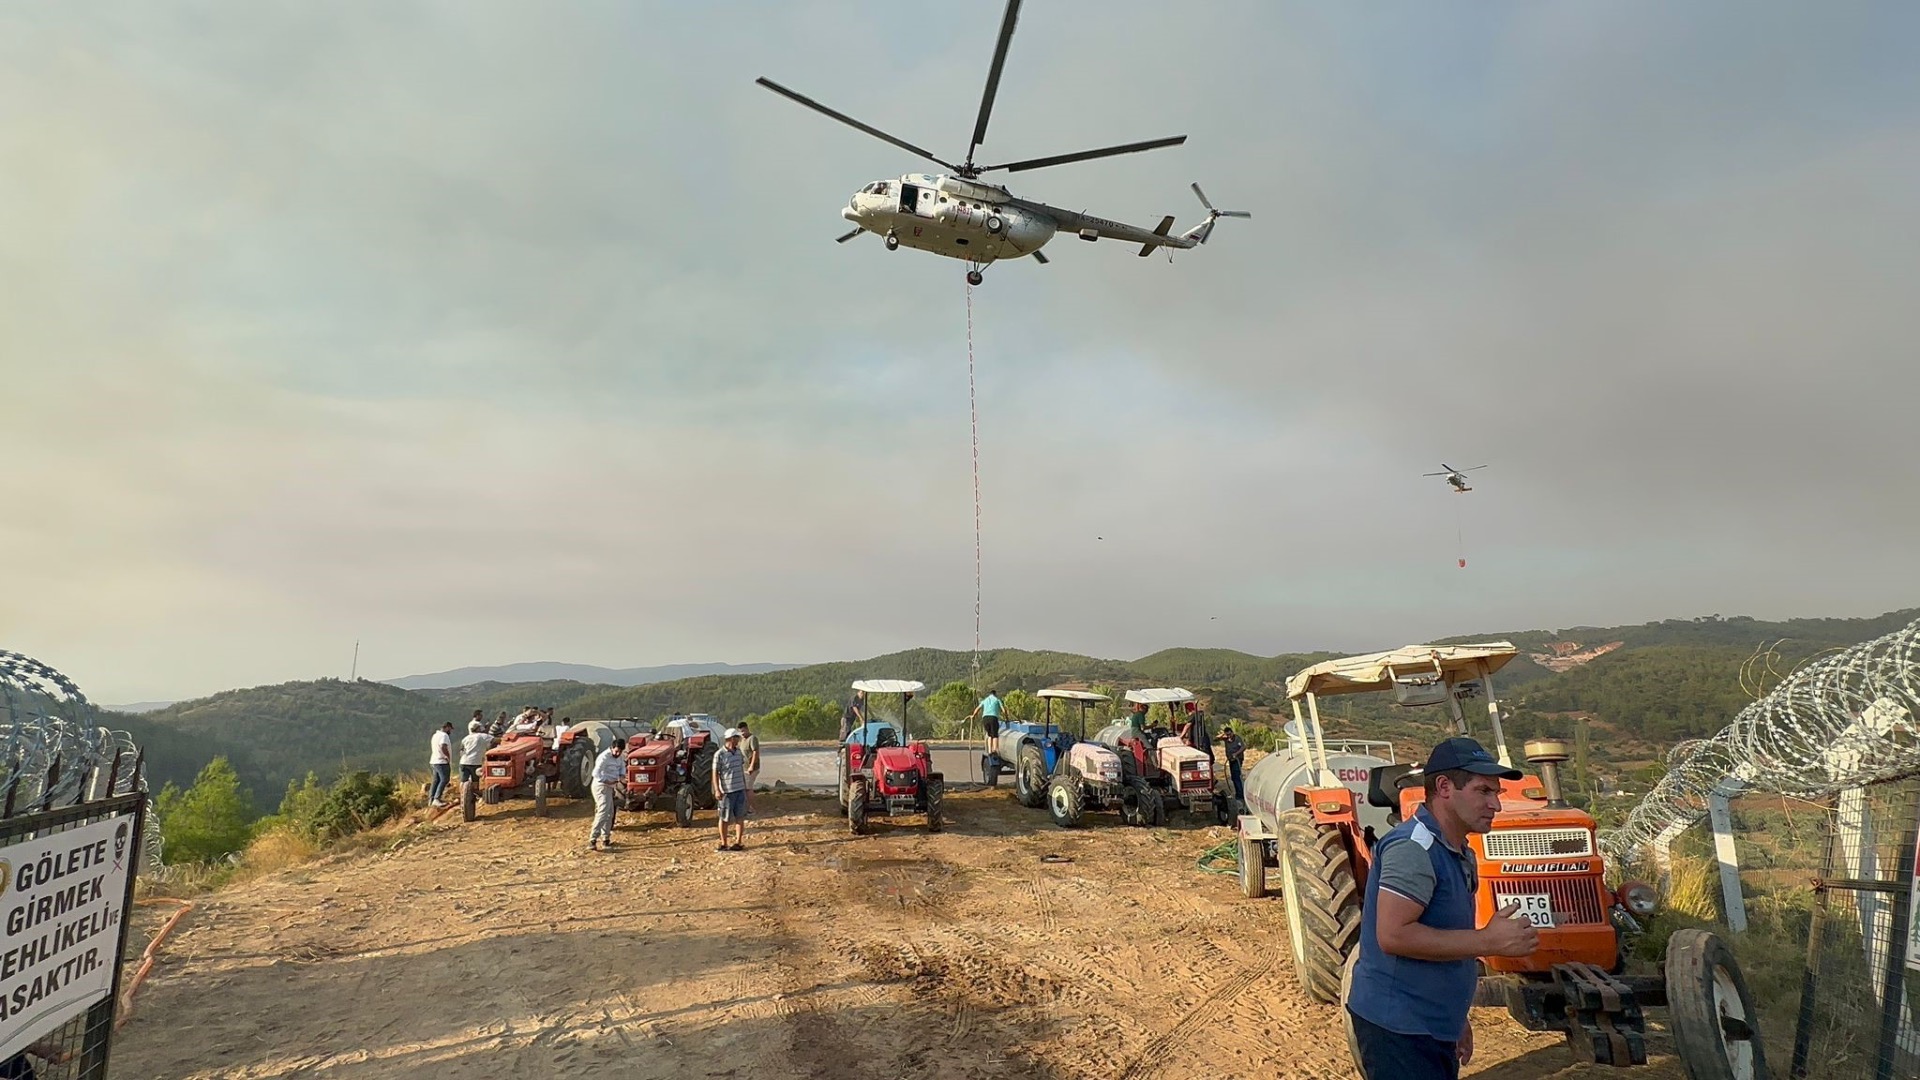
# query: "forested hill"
{"type": "Point", "coordinates": [1663, 681]}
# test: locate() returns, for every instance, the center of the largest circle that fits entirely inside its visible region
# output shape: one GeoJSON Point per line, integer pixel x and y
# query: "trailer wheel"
{"type": "Point", "coordinates": [540, 786]}
{"type": "Point", "coordinates": [683, 805]}
{"type": "Point", "coordinates": [989, 770]}
{"type": "Point", "coordinates": [576, 769]}
{"type": "Point", "coordinates": [1323, 902]}
{"type": "Point", "coordinates": [1712, 1011]}
{"type": "Point", "coordinates": [1064, 801]}
{"type": "Point", "coordinates": [936, 801]}
{"type": "Point", "coordinates": [469, 800]}
{"type": "Point", "coordinates": [1030, 780]}
{"type": "Point", "coordinates": [857, 805]}
{"type": "Point", "coordinates": [1253, 868]}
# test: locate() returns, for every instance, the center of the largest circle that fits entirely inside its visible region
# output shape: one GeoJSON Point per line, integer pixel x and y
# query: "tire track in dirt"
{"type": "Point", "coordinates": [1149, 1057]}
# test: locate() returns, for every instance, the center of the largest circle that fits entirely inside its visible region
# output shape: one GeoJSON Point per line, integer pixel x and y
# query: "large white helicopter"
{"type": "Point", "coordinates": [957, 216]}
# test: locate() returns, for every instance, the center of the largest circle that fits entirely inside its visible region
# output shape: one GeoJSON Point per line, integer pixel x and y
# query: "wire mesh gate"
{"type": "Point", "coordinates": [66, 894]}
{"type": "Point", "coordinates": [1859, 1013]}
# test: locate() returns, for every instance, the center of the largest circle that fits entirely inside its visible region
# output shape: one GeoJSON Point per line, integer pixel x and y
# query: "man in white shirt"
{"type": "Point", "coordinates": [440, 760]}
{"type": "Point", "coordinates": [609, 788]}
{"type": "Point", "coordinates": [473, 750]}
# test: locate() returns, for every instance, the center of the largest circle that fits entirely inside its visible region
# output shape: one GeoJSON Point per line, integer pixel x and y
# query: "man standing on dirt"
{"type": "Point", "coordinates": [440, 760]}
{"type": "Point", "coordinates": [473, 750]}
{"type": "Point", "coordinates": [609, 789]}
{"type": "Point", "coordinates": [730, 791]}
{"type": "Point", "coordinates": [750, 746]}
{"type": "Point", "coordinates": [1414, 979]}
{"type": "Point", "coordinates": [854, 716]}
{"type": "Point", "coordinates": [1236, 750]}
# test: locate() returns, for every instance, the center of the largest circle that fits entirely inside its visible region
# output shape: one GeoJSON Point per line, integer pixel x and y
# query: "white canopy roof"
{"type": "Point", "coordinates": [1361, 674]}
{"type": "Point", "coordinates": [889, 686]}
{"type": "Point", "coordinates": [1160, 695]}
{"type": "Point", "coordinates": [1073, 695]}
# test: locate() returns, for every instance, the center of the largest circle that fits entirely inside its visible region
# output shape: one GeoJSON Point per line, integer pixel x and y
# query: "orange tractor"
{"type": "Point", "coordinates": [1317, 825]}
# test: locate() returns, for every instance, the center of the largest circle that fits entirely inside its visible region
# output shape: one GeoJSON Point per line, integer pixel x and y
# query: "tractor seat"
{"type": "Point", "coordinates": [885, 738]}
{"type": "Point", "coordinates": [1383, 785]}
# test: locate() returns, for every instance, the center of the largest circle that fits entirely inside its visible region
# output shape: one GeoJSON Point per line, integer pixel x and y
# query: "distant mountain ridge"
{"type": "Point", "coordinates": [554, 671]}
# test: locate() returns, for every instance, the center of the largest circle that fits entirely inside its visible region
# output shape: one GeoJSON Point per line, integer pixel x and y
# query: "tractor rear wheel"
{"type": "Point", "coordinates": [936, 802]}
{"type": "Point", "coordinates": [683, 806]}
{"type": "Point", "coordinates": [1323, 902]}
{"type": "Point", "coordinates": [1224, 808]}
{"type": "Point", "coordinates": [576, 769]}
{"type": "Point", "coordinates": [1153, 806]}
{"type": "Point", "coordinates": [540, 787]}
{"type": "Point", "coordinates": [700, 778]}
{"type": "Point", "coordinates": [1030, 780]}
{"type": "Point", "coordinates": [1711, 1009]}
{"type": "Point", "coordinates": [990, 770]}
{"type": "Point", "coordinates": [1253, 868]}
{"type": "Point", "coordinates": [1064, 801]}
{"type": "Point", "coordinates": [857, 805]}
{"type": "Point", "coordinates": [469, 797]}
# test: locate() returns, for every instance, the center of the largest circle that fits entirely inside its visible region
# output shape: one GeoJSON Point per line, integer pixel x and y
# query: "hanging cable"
{"type": "Point", "coordinates": [973, 410]}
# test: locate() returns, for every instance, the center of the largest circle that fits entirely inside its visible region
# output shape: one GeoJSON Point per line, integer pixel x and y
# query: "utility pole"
{"type": "Point", "coordinates": [355, 676]}
{"type": "Point", "coordinates": [1580, 755]}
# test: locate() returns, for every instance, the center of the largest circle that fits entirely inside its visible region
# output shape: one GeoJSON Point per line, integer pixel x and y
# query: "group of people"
{"type": "Point", "coordinates": [735, 770]}
{"type": "Point", "coordinates": [1193, 731]}
{"type": "Point", "coordinates": [473, 754]}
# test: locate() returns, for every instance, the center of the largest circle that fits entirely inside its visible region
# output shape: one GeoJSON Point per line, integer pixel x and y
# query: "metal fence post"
{"type": "Point", "coordinates": [1809, 979]}
{"type": "Point", "coordinates": [1734, 903]}
{"type": "Point", "coordinates": [1893, 980]}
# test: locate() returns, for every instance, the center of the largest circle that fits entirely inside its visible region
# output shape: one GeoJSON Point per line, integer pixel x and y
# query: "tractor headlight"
{"type": "Point", "coordinates": [1639, 898]}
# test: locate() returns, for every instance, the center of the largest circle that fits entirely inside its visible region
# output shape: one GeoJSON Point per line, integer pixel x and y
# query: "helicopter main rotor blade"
{"type": "Point", "coordinates": [849, 236]}
{"type": "Point", "coordinates": [1086, 155]}
{"type": "Point", "coordinates": [850, 121]}
{"type": "Point", "coordinates": [993, 77]}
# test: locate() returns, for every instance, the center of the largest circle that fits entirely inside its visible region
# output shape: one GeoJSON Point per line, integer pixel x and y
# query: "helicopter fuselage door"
{"type": "Point", "coordinates": [910, 197]}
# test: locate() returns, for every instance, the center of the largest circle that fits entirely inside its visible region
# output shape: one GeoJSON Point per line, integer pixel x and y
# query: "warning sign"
{"type": "Point", "coordinates": [62, 898]}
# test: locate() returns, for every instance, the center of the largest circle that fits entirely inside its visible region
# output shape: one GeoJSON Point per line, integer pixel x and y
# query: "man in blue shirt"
{"type": "Point", "coordinates": [989, 713]}
{"type": "Point", "coordinates": [1419, 951]}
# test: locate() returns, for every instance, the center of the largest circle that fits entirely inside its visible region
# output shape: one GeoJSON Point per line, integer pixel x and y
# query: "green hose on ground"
{"type": "Point", "coordinates": [1221, 859]}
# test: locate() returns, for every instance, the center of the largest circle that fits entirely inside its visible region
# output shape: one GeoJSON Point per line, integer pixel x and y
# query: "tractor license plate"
{"type": "Point", "coordinates": [1536, 908]}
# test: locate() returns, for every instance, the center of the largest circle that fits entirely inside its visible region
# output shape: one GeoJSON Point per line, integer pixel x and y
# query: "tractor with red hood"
{"type": "Point", "coordinates": [883, 771]}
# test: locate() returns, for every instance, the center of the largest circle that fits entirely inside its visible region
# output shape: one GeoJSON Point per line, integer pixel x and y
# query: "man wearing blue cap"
{"type": "Point", "coordinates": [1419, 950]}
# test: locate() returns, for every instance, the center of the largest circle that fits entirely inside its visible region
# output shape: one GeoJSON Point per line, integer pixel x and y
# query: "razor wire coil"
{"type": "Point", "coordinates": [1843, 720]}
{"type": "Point", "coordinates": [54, 752]}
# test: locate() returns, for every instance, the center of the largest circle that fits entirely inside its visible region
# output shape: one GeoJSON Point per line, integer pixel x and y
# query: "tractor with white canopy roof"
{"type": "Point", "coordinates": [1316, 808]}
{"type": "Point", "coordinates": [883, 771]}
{"type": "Point", "coordinates": [1034, 752]}
{"type": "Point", "coordinates": [1176, 774]}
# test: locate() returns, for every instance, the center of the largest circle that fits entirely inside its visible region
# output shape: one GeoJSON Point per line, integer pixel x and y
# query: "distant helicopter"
{"type": "Point", "coordinates": [1456, 477]}
{"type": "Point", "coordinates": [957, 216]}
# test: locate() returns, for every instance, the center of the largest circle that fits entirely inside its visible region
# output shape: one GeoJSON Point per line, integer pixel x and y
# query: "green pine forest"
{"type": "Point", "coordinates": [1670, 680]}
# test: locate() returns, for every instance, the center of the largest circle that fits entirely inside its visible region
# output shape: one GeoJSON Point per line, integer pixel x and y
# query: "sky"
{"type": "Point", "coordinates": [478, 332]}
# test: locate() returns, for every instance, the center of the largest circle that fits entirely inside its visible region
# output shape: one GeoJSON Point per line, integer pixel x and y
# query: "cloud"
{"type": "Point", "coordinates": [482, 333]}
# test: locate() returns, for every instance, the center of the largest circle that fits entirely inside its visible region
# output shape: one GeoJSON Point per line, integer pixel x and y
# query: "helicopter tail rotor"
{"type": "Point", "coordinates": [1199, 233]}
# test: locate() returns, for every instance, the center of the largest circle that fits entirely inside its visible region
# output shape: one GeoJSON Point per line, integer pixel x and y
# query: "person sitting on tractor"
{"type": "Point", "coordinates": [1419, 952]}
{"type": "Point", "coordinates": [1194, 731]}
{"type": "Point", "coordinates": [528, 722]}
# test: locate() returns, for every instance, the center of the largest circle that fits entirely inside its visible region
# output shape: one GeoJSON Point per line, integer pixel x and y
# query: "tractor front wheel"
{"type": "Point", "coordinates": [1712, 1011]}
{"type": "Point", "coordinates": [1323, 902]}
{"type": "Point", "coordinates": [469, 799]}
{"type": "Point", "coordinates": [857, 805]}
{"type": "Point", "coordinates": [683, 806]}
{"type": "Point", "coordinates": [1064, 801]}
{"type": "Point", "coordinates": [936, 802]}
{"type": "Point", "coordinates": [1253, 868]}
{"type": "Point", "coordinates": [540, 786]}
{"type": "Point", "coordinates": [1153, 806]}
{"type": "Point", "coordinates": [1030, 781]}
{"type": "Point", "coordinates": [491, 796]}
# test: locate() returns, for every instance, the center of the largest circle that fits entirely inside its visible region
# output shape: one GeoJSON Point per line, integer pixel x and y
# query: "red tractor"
{"type": "Point", "coordinates": [538, 758]}
{"type": "Point", "coordinates": [879, 775]}
{"type": "Point", "coordinates": [676, 764]}
{"type": "Point", "coordinates": [1314, 816]}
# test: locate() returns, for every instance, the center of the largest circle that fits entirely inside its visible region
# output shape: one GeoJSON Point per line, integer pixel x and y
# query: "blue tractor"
{"type": "Point", "coordinates": [1034, 752]}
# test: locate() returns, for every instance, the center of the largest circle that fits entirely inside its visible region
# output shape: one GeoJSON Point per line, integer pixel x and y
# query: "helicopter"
{"type": "Point", "coordinates": [956, 215]}
{"type": "Point", "coordinates": [1456, 477]}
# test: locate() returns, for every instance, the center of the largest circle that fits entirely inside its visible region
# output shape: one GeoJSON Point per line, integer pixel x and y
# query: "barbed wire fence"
{"type": "Point", "coordinates": [1840, 735]}
{"type": "Point", "coordinates": [54, 752]}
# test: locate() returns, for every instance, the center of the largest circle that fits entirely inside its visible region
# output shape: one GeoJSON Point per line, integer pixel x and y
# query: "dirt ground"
{"type": "Point", "coordinates": [503, 948]}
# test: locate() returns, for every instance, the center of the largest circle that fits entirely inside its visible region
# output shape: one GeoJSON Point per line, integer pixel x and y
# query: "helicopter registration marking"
{"type": "Point", "coordinates": [1536, 908]}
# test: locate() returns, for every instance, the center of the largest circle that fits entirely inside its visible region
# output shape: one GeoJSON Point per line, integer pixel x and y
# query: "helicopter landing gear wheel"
{"type": "Point", "coordinates": [974, 278]}
{"type": "Point", "coordinates": [892, 242]}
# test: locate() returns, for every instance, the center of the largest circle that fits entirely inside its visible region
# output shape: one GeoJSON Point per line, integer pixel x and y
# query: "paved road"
{"type": "Point", "coordinates": [816, 765]}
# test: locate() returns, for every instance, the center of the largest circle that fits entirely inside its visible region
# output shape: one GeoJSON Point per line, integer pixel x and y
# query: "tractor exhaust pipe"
{"type": "Point", "coordinates": [1546, 755]}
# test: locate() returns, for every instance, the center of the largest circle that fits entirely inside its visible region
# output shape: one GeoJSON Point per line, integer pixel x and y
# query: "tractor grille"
{"type": "Point", "coordinates": [1506, 844]}
{"type": "Point", "coordinates": [1575, 900]}
{"type": "Point", "coordinates": [899, 780]}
